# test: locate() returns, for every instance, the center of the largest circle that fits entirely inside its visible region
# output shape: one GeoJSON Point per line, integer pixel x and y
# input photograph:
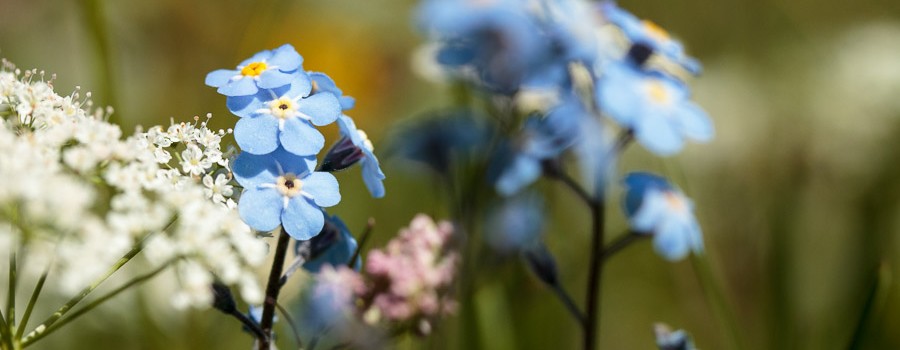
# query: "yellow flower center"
{"type": "Point", "coordinates": [658, 92]}
{"type": "Point", "coordinates": [655, 30]}
{"type": "Point", "coordinates": [288, 185]}
{"type": "Point", "coordinates": [254, 69]}
{"type": "Point", "coordinates": [283, 108]}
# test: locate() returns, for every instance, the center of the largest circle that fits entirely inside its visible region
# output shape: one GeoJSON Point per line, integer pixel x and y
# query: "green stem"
{"type": "Point", "coordinates": [31, 302]}
{"type": "Point", "coordinates": [93, 13]}
{"type": "Point", "coordinates": [272, 289]}
{"type": "Point", "coordinates": [621, 243]}
{"type": "Point", "coordinates": [44, 326]}
{"type": "Point", "coordinates": [94, 304]}
{"type": "Point", "coordinates": [11, 294]}
{"type": "Point", "coordinates": [716, 297]}
{"type": "Point", "coordinates": [291, 323]}
{"type": "Point", "coordinates": [569, 303]}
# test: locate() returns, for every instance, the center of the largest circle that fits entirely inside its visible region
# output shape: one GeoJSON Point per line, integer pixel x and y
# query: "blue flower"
{"type": "Point", "coordinates": [648, 35]}
{"type": "Point", "coordinates": [324, 83]}
{"type": "Point", "coordinates": [666, 339]}
{"type": "Point", "coordinates": [265, 70]}
{"type": "Point", "coordinates": [338, 249]}
{"type": "Point", "coordinates": [498, 38]}
{"type": "Point", "coordinates": [281, 189]}
{"type": "Point", "coordinates": [284, 116]}
{"type": "Point", "coordinates": [654, 207]}
{"type": "Point", "coordinates": [516, 224]}
{"type": "Point", "coordinates": [655, 106]}
{"type": "Point", "coordinates": [542, 139]}
{"type": "Point", "coordinates": [371, 170]}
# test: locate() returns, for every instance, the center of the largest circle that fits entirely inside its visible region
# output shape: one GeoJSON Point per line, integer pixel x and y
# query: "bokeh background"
{"type": "Point", "coordinates": [798, 195]}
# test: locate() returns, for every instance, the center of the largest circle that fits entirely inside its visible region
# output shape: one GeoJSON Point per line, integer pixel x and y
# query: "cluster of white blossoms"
{"type": "Point", "coordinates": [76, 197]}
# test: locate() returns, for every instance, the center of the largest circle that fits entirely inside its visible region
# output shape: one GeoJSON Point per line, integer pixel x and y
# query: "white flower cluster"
{"type": "Point", "coordinates": [76, 196]}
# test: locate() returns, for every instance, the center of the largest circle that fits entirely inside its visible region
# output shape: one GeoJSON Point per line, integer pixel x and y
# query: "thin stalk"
{"type": "Point", "coordinates": [47, 323]}
{"type": "Point", "coordinates": [569, 303]}
{"type": "Point", "coordinates": [31, 302]}
{"type": "Point", "coordinates": [363, 238]}
{"type": "Point", "coordinates": [11, 293]}
{"type": "Point", "coordinates": [595, 277]}
{"type": "Point", "coordinates": [272, 289]}
{"type": "Point", "coordinates": [291, 323]}
{"type": "Point", "coordinates": [621, 243]}
{"type": "Point", "coordinates": [716, 297]}
{"type": "Point", "coordinates": [94, 304]}
{"type": "Point", "coordinates": [247, 322]}
{"type": "Point", "coordinates": [93, 12]}
{"type": "Point", "coordinates": [575, 187]}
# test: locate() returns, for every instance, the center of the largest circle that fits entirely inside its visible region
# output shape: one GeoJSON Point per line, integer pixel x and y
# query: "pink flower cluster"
{"type": "Point", "coordinates": [407, 284]}
{"type": "Point", "coordinates": [413, 275]}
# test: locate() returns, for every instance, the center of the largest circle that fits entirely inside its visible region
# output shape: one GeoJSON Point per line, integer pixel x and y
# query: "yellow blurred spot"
{"type": "Point", "coordinates": [657, 92]}
{"type": "Point", "coordinates": [675, 201]}
{"type": "Point", "coordinates": [254, 69]}
{"type": "Point", "coordinates": [655, 30]}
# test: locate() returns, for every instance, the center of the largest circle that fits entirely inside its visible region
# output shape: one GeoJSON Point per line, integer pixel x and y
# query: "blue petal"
{"type": "Point", "coordinates": [261, 208]}
{"type": "Point", "coordinates": [257, 135]}
{"type": "Point", "coordinates": [618, 98]}
{"type": "Point", "coordinates": [672, 240]}
{"type": "Point", "coordinates": [323, 187]}
{"type": "Point", "coordinates": [653, 209]}
{"type": "Point", "coordinates": [241, 87]}
{"type": "Point", "coordinates": [257, 57]}
{"type": "Point", "coordinates": [695, 123]}
{"type": "Point", "coordinates": [220, 77]}
{"type": "Point", "coordinates": [347, 102]}
{"type": "Point", "coordinates": [302, 220]}
{"type": "Point", "coordinates": [336, 255]}
{"type": "Point", "coordinates": [657, 134]}
{"type": "Point", "coordinates": [348, 128]}
{"type": "Point", "coordinates": [301, 85]}
{"type": "Point", "coordinates": [323, 108]}
{"type": "Point", "coordinates": [243, 106]}
{"type": "Point", "coordinates": [292, 163]}
{"type": "Point", "coordinates": [372, 177]}
{"type": "Point", "coordinates": [286, 58]}
{"type": "Point", "coordinates": [273, 78]}
{"type": "Point", "coordinates": [301, 138]}
{"type": "Point", "coordinates": [253, 170]}
{"type": "Point", "coordinates": [522, 172]}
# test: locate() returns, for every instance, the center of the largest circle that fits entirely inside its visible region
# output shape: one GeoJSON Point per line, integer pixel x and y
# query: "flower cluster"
{"type": "Point", "coordinates": [575, 71]}
{"type": "Point", "coordinates": [280, 106]}
{"type": "Point", "coordinates": [405, 286]}
{"type": "Point", "coordinates": [78, 197]}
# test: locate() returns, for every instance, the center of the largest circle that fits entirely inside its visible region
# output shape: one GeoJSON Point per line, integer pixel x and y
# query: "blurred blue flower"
{"type": "Point", "coordinates": [280, 188]}
{"type": "Point", "coordinates": [338, 250]}
{"type": "Point", "coordinates": [498, 38]}
{"type": "Point", "coordinates": [516, 223]}
{"type": "Point", "coordinates": [666, 339]}
{"type": "Point", "coordinates": [284, 116]}
{"type": "Point", "coordinates": [655, 107]}
{"type": "Point", "coordinates": [443, 139]}
{"type": "Point", "coordinates": [324, 83]}
{"type": "Point", "coordinates": [543, 138]}
{"type": "Point", "coordinates": [654, 207]}
{"type": "Point", "coordinates": [648, 36]}
{"type": "Point", "coordinates": [267, 69]}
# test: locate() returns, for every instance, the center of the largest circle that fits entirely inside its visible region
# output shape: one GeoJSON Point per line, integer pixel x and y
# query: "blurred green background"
{"type": "Point", "coordinates": [797, 195]}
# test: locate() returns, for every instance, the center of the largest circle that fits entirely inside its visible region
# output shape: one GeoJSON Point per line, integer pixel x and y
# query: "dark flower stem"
{"type": "Point", "coordinates": [362, 241]}
{"type": "Point", "coordinates": [592, 323]}
{"type": "Point", "coordinates": [247, 322]}
{"type": "Point", "coordinates": [290, 321]}
{"type": "Point", "coordinates": [272, 289]}
{"type": "Point", "coordinates": [569, 303]}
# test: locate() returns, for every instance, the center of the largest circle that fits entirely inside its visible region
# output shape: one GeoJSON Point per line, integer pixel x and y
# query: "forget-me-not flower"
{"type": "Point", "coordinates": [267, 69]}
{"type": "Point", "coordinates": [657, 108]}
{"type": "Point", "coordinates": [281, 189]}
{"type": "Point", "coordinates": [324, 83]}
{"type": "Point", "coordinates": [654, 207]}
{"type": "Point", "coordinates": [543, 138]}
{"type": "Point", "coordinates": [285, 116]}
{"type": "Point", "coordinates": [360, 149]}
{"type": "Point", "coordinates": [650, 36]}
